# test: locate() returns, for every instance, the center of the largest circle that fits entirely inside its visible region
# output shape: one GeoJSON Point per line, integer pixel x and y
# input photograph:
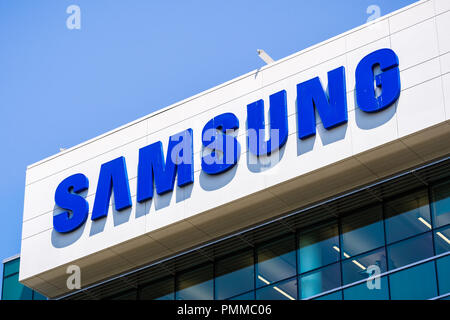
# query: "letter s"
{"type": "Point", "coordinates": [224, 147]}
{"type": "Point", "coordinates": [65, 222]}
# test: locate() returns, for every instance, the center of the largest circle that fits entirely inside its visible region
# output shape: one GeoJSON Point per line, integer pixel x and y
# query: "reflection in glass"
{"type": "Point", "coordinates": [245, 296]}
{"type": "Point", "coordinates": [331, 296]}
{"type": "Point", "coordinates": [14, 290]}
{"type": "Point", "coordinates": [417, 283]}
{"type": "Point", "coordinates": [286, 290]}
{"type": "Point", "coordinates": [11, 267]}
{"type": "Point", "coordinates": [276, 261]}
{"type": "Point", "coordinates": [358, 268]}
{"type": "Point", "coordinates": [441, 205]}
{"type": "Point", "coordinates": [362, 291]}
{"type": "Point", "coordinates": [159, 290]}
{"type": "Point", "coordinates": [362, 231]}
{"type": "Point", "coordinates": [443, 270]}
{"type": "Point", "coordinates": [129, 295]}
{"type": "Point", "coordinates": [442, 240]}
{"type": "Point", "coordinates": [405, 252]}
{"type": "Point", "coordinates": [320, 280]}
{"type": "Point", "coordinates": [234, 275]}
{"type": "Point", "coordinates": [317, 247]}
{"type": "Point", "coordinates": [196, 284]}
{"type": "Point", "coordinates": [407, 216]}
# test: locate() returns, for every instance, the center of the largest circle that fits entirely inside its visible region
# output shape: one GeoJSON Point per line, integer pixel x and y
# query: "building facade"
{"type": "Point", "coordinates": [12, 289]}
{"type": "Point", "coordinates": [324, 176]}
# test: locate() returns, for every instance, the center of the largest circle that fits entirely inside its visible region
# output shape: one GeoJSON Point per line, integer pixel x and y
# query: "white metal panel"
{"type": "Point", "coordinates": [442, 6]}
{"type": "Point", "coordinates": [446, 87]}
{"type": "Point", "coordinates": [416, 44]}
{"type": "Point", "coordinates": [420, 107]}
{"type": "Point", "coordinates": [411, 15]}
{"type": "Point", "coordinates": [443, 31]}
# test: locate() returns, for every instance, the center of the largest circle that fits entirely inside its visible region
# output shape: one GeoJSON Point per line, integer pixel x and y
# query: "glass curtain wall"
{"type": "Point", "coordinates": [406, 239]}
{"type": "Point", "coordinates": [12, 289]}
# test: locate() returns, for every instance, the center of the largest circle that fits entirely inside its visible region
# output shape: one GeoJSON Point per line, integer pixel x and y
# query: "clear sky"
{"type": "Point", "coordinates": [60, 87]}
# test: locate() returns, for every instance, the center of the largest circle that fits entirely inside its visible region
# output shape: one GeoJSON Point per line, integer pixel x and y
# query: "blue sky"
{"type": "Point", "coordinates": [60, 87]}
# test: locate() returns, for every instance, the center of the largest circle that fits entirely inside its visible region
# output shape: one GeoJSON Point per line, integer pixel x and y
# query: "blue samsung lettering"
{"type": "Point", "coordinates": [113, 177]}
{"type": "Point", "coordinates": [278, 124]}
{"type": "Point", "coordinates": [377, 86]}
{"type": "Point", "coordinates": [224, 148]}
{"type": "Point", "coordinates": [388, 80]}
{"type": "Point", "coordinates": [67, 197]}
{"type": "Point", "coordinates": [153, 168]}
{"type": "Point", "coordinates": [332, 108]}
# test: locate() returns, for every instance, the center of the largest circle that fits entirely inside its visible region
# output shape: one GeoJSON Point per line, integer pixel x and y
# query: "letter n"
{"type": "Point", "coordinates": [332, 108]}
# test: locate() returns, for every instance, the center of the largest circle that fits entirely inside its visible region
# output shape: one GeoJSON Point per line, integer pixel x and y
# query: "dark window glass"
{"type": "Point", "coordinates": [417, 283]}
{"type": "Point", "coordinates": [11, 267]}
{"type": "Point", "coordinates": [442, 240]}
{"type": "Point", "coordinates": [276, 261]}
{"type": "Point", "coordinates": [409, 251]}
{"type": "Point", "coordinates": [14, 290]}
{"type": "Point", "coordinates": [443, 270]}
{"type": "Point", "coordinates": [196, 284]}
{"type": "Point", "coordinates": [128, 295]}
{"type": "Point", "coordinates": [362, 232]}
{"type": "Point", "coordinates": [321, 280]}
{"type": "Point", "coordinates": [359, 267]}
{"type": "Point", "coordinates": [234, 275]}
{"type": "Point", "coordinates": [38, 296]}
{"type": "Point", "coordinates": [246, 296]}
{"type": "Point", "coordinates": [318, 247]}
{"type": "Point", "coordinates": [331, 296]}
{"type": "Point", "coordinates": [441, 205]}
{"type": "Point", "coordinates": [362, 291]}
{"type": "Point", "coordinates": [159, 290]}
{"type": "Point", "coordinates": [407, 216]}
{"type": "Point", "coordinates": [285, 290]}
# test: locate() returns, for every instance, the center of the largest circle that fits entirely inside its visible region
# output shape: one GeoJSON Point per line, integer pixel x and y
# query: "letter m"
{"type": "Point", "coordinates": [154, 170]}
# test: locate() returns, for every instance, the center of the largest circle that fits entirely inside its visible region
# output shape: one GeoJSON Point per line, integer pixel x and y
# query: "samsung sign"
{"type": "Point", "coordinates": [377, 87]}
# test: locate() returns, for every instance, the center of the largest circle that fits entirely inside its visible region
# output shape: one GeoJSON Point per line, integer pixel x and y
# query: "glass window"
{"type": "Point", "coordinates": [360, 267]}
{"type": "Point", "coordinates": [442, 240]}
{"type": "Point", "coordinates": [443, 270]}
{"type": "Point", "coordinates": [234, 275]}
{"type": "Point", "coordinates": [286, 290]}
{"type": "Point", "coordinates": [128, 295]}
{"type": "Point", "coordinates": [318, 247]}
{"type": "Point", "coordinates": [407, 216]}
{"type": "Point", "coordinates": [246, 296]}
{"type": "Point", "coordinates": [276, 261]}
{"type": "Point", "coordinates": [159, 290]}
{"type": "Point", "coordinates": [417, 283]}
{"type": "Point", "coordinates": [331, 296]}
{"type": "Point", "coordinates": [405, 252]}
{"type": "Point", "coordinates": [38, 296]}
{"type": "Point", "coordinates": [362, 232]}
{"type": "Point", "coordinates": [196, 284]}
{"type": "Point", "coordinates": [14, 290]}
{"type": "Point", "coordinates": [321, 280]}
{"type": "Point", "coordinates": [441, 204]}
{"type": "Point", "coordinates": [11, 267]}
{"type": "Point", "coordinates": [362, 291]}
